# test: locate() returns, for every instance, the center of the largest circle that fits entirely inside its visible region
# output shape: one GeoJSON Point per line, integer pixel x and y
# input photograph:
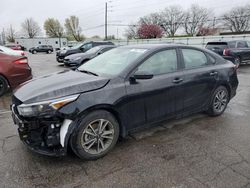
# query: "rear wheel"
{"type": "Point", "coordinates": [97, 135]}
{"type": "Point", "coordinates": [49, 51]}
{"type": "Point", "coordinates": [34, 52]}
{"type": "Point", "coordinates": [3, 85]}
{"type": "Point", "coordinates": [219, 101]}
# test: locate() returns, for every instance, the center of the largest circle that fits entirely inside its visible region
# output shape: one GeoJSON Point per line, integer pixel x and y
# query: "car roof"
{"type": "Point", "coordinates": [224, 41]}
{"type": "Point", "coordinates": [153, 46]}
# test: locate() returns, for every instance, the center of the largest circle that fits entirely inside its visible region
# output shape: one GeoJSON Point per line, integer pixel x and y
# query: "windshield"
{"type": "Point", "coordinates": [77, 46]}
{"type": "Point", "coordinates": [94, 50]}
{"type": "Point", "coordinates": [216, 45]}
{"type": "Point", "coordinates": [112, 62]}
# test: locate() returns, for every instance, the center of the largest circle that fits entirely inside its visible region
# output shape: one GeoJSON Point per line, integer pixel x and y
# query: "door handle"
{"type": "Point", "coordinates": [177, 80]}
{"type": "Point", "coordinates": [213, 73]}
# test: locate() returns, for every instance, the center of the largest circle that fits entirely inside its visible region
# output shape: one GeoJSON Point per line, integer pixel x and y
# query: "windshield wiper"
{"type": "Point", "coordinates": [87, 72]}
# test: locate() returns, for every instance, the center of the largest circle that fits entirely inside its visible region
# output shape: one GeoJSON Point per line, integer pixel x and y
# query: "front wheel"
{"type": "Point", "coordinates": [97, 134]}
{"type": "Point", "coordinates": [49, 52]}
{"type": "Point", "coordinates": [34, 52]}
{"type": "Point", "coordinates": [219, 101]}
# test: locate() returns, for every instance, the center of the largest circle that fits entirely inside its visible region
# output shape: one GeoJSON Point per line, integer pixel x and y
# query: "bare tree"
{"type": "Point", "coordinates": [53, 28]}
{"type": "Point", "coordinates": [10, 34]}
{"type": "Point", "coordinates": [131, 31]}
{"type": "Point", "coordinates": [238, 19]}
{"type": "Point", "coordinates": [171, 18]}
{"type": "Point", "coordinates": [151, 19]}
{"type": "Point", "coordinates": [195, 18]}
{"type": "Point", "coordinates": [73, 29]}
{"type": "Point", "coordinates": [30, 28]}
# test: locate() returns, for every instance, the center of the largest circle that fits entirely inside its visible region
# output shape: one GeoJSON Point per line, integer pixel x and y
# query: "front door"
{"type": "Point", "coordinates": [159, 97]}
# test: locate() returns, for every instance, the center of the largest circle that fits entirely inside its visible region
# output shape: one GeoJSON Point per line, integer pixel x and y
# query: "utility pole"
{"type": "Point", "coordinates": [106, 21]}
{"type": "Point", "coordinates": [214, 22]}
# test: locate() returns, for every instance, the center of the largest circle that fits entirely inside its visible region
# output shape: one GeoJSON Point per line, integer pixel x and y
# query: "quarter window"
{"type": "Point", "coordinates": [194, 58]}
{"type": "Point", "coordinates": [160, 63]}
{"type": "Point", "coordinates": [241, 44]}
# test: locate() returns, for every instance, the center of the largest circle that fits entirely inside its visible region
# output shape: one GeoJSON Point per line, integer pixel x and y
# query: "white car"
{"type": "Point", "coordinates": [12, 52]}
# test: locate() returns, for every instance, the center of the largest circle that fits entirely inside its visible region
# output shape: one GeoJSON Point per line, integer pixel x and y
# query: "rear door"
{"type": "Point", "coordinates": [200, 79]}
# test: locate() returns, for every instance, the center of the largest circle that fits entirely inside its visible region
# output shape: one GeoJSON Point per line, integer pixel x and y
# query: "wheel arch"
{"type": "Point", "coordinates": [107, 107]}
{"type": "Point", "coordinates": [84, 60]}
{"type": "Point", "coordinates": [228, 87]}
{"type": "Point", "coordinates": [6, 79]}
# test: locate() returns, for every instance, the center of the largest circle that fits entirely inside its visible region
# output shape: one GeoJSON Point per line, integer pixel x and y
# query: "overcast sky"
{"type": "Point", "coordinates": [91, 13]}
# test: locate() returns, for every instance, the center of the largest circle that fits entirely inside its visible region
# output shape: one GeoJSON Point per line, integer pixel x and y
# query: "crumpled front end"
{"type": "Point", "coordinates": [44, 135]}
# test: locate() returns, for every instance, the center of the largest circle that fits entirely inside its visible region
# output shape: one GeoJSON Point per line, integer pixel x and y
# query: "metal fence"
{"type": "Point", "coordinates": [193, 41]}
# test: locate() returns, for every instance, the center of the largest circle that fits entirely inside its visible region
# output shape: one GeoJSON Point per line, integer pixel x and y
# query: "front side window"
{"type": "Point", "coordinates": [194, 58]}
{"type": "Point", "coordinates": [160, 63]}
{"type": "Point", "coordinates": [232, 44]}
{"type": "Point", "coordinates": [87, 46]}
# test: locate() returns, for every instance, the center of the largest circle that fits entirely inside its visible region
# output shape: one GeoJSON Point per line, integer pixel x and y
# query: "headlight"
{"type": "Point", "coordinates": [76, 59]}
{"type": "Point", "coordinates": [45, 107]}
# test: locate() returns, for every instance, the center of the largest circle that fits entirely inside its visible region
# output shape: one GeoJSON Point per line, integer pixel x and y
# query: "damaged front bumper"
{"type": "Point", "coordinates": [43, 135]}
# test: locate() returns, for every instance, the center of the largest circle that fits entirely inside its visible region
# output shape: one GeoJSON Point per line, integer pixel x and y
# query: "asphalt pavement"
{"type": "Point", "coordinates": [199, 151]}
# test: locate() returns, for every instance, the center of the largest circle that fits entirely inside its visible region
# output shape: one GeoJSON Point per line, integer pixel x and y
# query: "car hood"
{"type": "Point", "coordinates": [58, 85]}
{"type": "Point", "coordinates": [81, 55]}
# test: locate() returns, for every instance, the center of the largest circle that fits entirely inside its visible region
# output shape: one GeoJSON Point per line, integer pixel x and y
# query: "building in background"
{"type": "Point", "coordinates": [28, 43]}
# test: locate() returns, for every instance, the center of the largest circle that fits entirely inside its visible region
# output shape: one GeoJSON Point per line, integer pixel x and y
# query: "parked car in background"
{"type": "Point", "coordinates": [80, 58]}
{"type": "Point", "coordinates": [14, 70]}
{"type": "Point", "coordinates": [41, 48]}
{"type": "Point", "coordinates": [15, 47]}
{"type": "Point", "coordinates": [12, 52]}
{"type": "Point", "coordinates": [81, 48]}
{"type": "Point", "coordinates": [122, 90]}
{"type": "Point", "coordinates": [237, 51]}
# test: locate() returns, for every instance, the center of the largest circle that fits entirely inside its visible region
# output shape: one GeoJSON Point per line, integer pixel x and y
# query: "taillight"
{"type": "Point", "coordinates": [226, 52]}
{"type": "Point", "coordinates": [21, 61]}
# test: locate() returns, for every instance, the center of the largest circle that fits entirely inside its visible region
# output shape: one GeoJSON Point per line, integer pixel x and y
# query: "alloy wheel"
{"type": "Point", "coordinates": [97, 136]}
{"type": "Point", "coordinates": [220, 101]}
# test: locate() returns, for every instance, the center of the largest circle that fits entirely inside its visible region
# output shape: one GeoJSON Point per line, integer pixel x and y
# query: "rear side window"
{"type": "Point", "coordinates": [194, 58]}
{"type": "Point", "coordinates": [241, 44]}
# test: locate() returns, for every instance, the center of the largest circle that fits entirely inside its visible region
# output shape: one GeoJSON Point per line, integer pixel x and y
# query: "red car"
{"type": "Point", "coordinates": [14, 70]}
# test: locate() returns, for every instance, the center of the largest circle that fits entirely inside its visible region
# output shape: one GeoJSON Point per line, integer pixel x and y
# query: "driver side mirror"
{"type": "Point", "coordinates": [142, 75]}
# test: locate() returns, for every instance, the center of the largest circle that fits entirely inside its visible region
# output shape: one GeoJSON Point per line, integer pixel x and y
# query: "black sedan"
{"type": "Point", "coordinates": [122, 90]}
{"type": "Point", "coordinates": [80, 58]}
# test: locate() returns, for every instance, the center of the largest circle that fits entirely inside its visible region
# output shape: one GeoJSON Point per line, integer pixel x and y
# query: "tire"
{"type": "Point", "coordinates": [3, 85]}
{"type": "Point", "coordinates": [34, 52]}
{"type": "Point", "coordinates": [49, 51]}
{"type": "Point", "coordinates": [88, 142]}
{"type": "Point", "coordinates": [219, 101]}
